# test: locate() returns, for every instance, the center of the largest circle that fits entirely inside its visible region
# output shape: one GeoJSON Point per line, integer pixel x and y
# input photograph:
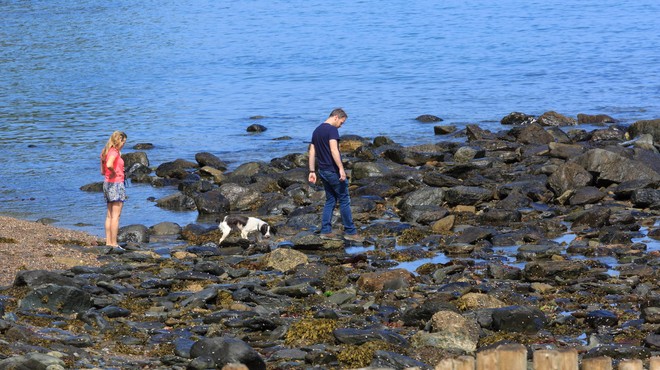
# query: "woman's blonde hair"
{"type": "Point", "coordinates": [116, 140]}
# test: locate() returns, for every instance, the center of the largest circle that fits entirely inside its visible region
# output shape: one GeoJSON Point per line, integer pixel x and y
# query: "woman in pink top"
{"type": "Point", "coordinates": [114, 190]}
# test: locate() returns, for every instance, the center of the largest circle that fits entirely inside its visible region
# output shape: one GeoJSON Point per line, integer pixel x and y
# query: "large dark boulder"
{"type": "Point", "coordinates": [594, 119]}
{"type": "Point", "coordinates": [467, 195]}
{"type": "Point", "coordinates": [532, 134]}
{"type": "Point", "coordinates": [35, 278]}
{"type": "Point", "coordinates": [133, 233]}
{"type": "Point", "coordinates": [177, 202]}
{"type": "Point", "coordinates": [240, 198]}
{"type": "Point", "coordinates": [212, 202]}
{"type": "Point", "coordinates": [518, 119]}
{"type": "Point", "coordinates": [227, 350]}
{"type": "Point", "coordinates": [426, 118]}
{"type": "Point", "coordinates": [552, 118]}
{"type": "Point", "coordinates": [135, 157]}
{"type": "Point", "coordinates": [57, 298]}
{"type": "Point", "coordinates": [569, 176]}
{"type": "Point", "coordinates": [208, 159]}
{"type": "Point", "coordinates": [646, 127]}
{"type": "Point", "coordinates": [612, 167]}
{"type": "Point", "coordinates": [519, 319]}
{"type": "Point", "coordinates": [177, 169]}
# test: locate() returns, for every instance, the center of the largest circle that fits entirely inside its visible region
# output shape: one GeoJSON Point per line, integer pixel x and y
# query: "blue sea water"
{"type": "Point", "coordinates": [187, 77]}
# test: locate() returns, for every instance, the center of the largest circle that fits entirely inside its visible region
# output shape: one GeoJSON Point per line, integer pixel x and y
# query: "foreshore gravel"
{"type": "Point", "coordinates": [30, 245]}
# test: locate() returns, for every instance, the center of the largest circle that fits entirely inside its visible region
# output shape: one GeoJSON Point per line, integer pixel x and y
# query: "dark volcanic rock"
{"type": "Point", "coordinates": [594, 119]}
{"type": "Point", "coordinates": [208, 159]}
{"type": "Point", "coordinates": [212, 202]}
{"type": "Point", "coordinates": [518, 319]}
{"type": "Point", "coordinates": [57, 298]}
{"type": "Point", "coordinates": [518, 119]}
{"type": "Point", "coordinates": [225, 350]}
{"type": "Point", "coordinates": [552, 118]}
{"type": "Point", "coordinates": [428, 118]}
{"type": "Point", "coordinates": [646, 127]}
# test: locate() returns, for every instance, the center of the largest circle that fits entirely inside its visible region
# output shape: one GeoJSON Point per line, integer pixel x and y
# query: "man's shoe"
{"type": "Point", "coordinates": [354, 238]}
{"type": "Point", "coordinates": [329, 236]}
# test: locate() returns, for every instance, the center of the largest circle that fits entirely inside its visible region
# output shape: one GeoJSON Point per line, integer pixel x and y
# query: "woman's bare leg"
{"type": "Point", "coordinates": [108, 218]}
{"type": "Point", "coordinates": [114, 211]}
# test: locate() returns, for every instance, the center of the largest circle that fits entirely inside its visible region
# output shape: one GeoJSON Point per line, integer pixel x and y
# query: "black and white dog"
{"type": "Point", "coordinates": [245, 225]}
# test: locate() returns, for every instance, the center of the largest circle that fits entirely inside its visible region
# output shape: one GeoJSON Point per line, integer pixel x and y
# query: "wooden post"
{"type": "Point", "coordinates": [597, 363]}
{"type": "Point", "coordinates": [545, 359]}
{"type": "Point", "coordinates": [504, 357]}
{"type": "Point", "coordinates": [562, 359]}
{"type": "Point", "coordinates": [487, 359]}
{"type": "Point", "coordinates": [511, 357]}
{"type": "Point", "coordinates": [459, 363]}
{"type": "Point", "coordinates": [631, 365]}
{"type": "Point", "coordinates": [654, 363]}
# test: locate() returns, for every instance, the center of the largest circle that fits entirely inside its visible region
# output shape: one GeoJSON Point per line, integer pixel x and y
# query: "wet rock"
{"type": "Point", "coordinates": [376, 281]}
{"type": "Point", "coordinates": [133, 158]}
{"type": "Point", "coordinates": [33, 361]}
{"type": "Point", "coordinates": [586, 195]}
{"type": "Point", "coordinates": [256, 128]}
{"type": "Point", "coordinates": [612, 167]}
{"type": "Point", "coordinates": [465, 154]}
{"type": "Point", "coordinates": [362, 170]}
{"type": "Point", "coordinates": [549, 270]}
{"type": "Point", "coordinates": [646, 127]}
{"type": "Point", "coordinates": [295, 291]}
{"type": "Point", "coordinates": [56, 298]}
{"type": "Point", "coordinates": [499, 217]}
{"type": "Point", "coordinates": [361, 336]}
{"type": "Point", "coordinates": [518, 119]}
{"type": "Point", "coordinates": [552, 118]}
{"type": "Point", "coordinates": [393, 360]}
{"type": "Point", "coordinates": [474, 133]}
{"type": "Point", "coordinates": [595, 217]}
{"type": "Point", "coordinates": [532, 134]}
{"type": "Point", "coordinates": [444, 129]}
{"type": "Point", "coordinates": [165, 228]}
{"type": "Point", "coordinates": [283, 259]}
{"type": "Point", "coordinates": [598, 318]}
{"type": "Point", "coordinates": [418, 316]}
{"type": "Point", "coordinates": [212, 202]}
{"type": "Point", "coordinates": [473, 234]}
{"type": "Point", "coordinates": [133, 234]}
{"type": "Point", "coordinates": [225, 350]}
{"type": "Point", "coordinates": [594, 119]}
{"type": "Point", "coordinates": [240, 198]}
{"type": "Point", "coordinates": [35, 278]}
{"type": "Point", "coordinates": [210, 160]}
{"type": "Point", "coordinates": [426, 118]}
{"type": "Point", "coordinates": [518, 319]}
{"type": "Point", "coordinates": [95, 187]}
{"type": "Point", "coordinates": [618, 351]}
{"type": "Point", "coordinates": [569, 176]}
{"type": "Point", "coordinates": [565, 151]}
{"type": "Point", "coordinates": [429, 196]}
{"type": "Point", "coordinates": [611, 133]}
{"type": "Point", "coordinates": [439, 179]}
{"type": "Point", "coordinates": [476, 301]}
{"type": "Point", "coordinates": [644, 198]}
{"type": "Point", "coordinates": [449, 331]}
{"type": "Point", "coordinates": [177, 169]}
{"type": "Point", "coordinates": [177, 202]}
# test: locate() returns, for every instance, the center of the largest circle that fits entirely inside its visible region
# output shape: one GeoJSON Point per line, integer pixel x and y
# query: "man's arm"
{"type": "Point", "coordinates": [312, 164]}
{"type": "Point", "coordinates": [334, 149]}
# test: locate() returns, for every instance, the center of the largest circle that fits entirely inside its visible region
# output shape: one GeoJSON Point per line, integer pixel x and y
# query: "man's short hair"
{"type": "Point", "coordinates": [339, 113]}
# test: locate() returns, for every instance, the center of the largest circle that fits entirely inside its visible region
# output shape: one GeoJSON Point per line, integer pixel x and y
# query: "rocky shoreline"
{"type": "Point", "coordinates": [485, 214]}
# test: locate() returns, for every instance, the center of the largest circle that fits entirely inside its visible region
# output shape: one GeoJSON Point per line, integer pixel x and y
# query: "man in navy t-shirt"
{"type": "Point", "coordinates": [325, 149]}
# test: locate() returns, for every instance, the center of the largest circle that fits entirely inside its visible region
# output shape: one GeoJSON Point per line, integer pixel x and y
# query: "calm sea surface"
{"type": "Point", "coordinates": [187, 76]}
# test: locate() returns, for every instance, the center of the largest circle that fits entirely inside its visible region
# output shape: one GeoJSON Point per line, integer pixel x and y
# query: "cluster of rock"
{"type": "Point", "coordinates": [302, 302]}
